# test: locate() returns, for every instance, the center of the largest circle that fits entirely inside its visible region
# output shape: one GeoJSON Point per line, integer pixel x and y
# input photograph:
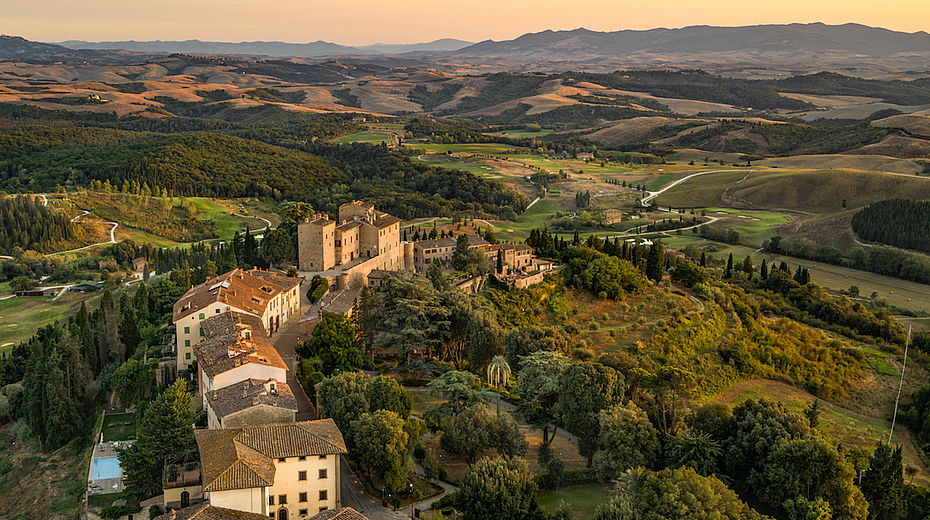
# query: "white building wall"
{"type": "Point", "coordinates": [251, 500]}
{"type": "Point", "coordinates": [288, 483]}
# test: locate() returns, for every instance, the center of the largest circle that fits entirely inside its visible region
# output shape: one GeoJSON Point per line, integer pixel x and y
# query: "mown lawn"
{"type": "Point", "coordinates": [582, 500]}
{"type": "Point", "coordinates": [119, 427]}
{"type": "Point", "coordinates": [21, 317]}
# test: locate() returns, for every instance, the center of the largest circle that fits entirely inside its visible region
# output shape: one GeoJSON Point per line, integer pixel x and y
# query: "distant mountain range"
{"type": "Point", "coordinates": [775, 49]}
{"type": "Point", "coordinates": [791, 38]}
{"type": "Point", "coordinates": [262, 48]}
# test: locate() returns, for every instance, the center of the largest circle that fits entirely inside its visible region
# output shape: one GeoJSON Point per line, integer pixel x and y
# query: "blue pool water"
{"type": "Point", "coordinates": [105, 468]}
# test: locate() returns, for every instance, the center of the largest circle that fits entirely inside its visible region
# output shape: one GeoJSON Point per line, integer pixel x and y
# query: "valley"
{"type": "Point", "coordinates": [685, 269]}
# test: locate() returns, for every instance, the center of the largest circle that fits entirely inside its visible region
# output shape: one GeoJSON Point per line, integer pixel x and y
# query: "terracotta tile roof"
{"type": "Point", "coordinates": [207, 512]}
{"type": "Point", "coordinates": [228, 464]}
{"type": "Point", "coordinates": [343, 513]}
{"type": "Point", "coordinates": [225, 347]}
{"type": "Point", "coordinates": [248, 393]}
{"type": "Point", "coordinates": [238, 458]}
{"type": "Point", "coordinates": [248, 291]}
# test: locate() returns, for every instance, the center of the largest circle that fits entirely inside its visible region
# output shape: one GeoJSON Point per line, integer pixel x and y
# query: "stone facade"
{"type": "Point", "coordinates": [364, 239]}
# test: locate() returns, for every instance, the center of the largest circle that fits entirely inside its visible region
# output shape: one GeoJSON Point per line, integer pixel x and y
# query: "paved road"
{"type": "Point", "coordinates": [284, 341]}
{"type": "Point", "coordinates": [354, 496]}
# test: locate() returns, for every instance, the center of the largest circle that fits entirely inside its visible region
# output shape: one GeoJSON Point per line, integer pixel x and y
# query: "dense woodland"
{"type": "Point", "coordinates": [40, 157]}
{"type": "Point", "coordinates": [899, 222]}
{"type": "Point", "coordinates": [26, 224]}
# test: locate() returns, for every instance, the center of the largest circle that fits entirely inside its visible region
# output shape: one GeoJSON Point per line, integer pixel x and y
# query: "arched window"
{"type": "Point", "coordinates": [282, 514]}
{"type": "Point", "coordinates": [185, 499]}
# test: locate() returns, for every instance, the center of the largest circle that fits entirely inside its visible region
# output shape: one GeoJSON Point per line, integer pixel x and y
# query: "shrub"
{"type": "Point", "coordinates": [568, 478]}
{"type": "Point", "coordinates": [114, 512]}
{"type": "Point", "coordinates": [318, 288]}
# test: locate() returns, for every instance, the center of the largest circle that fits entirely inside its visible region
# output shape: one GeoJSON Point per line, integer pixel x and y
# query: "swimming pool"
{"type": "Point", "coordinates": [105, 468]}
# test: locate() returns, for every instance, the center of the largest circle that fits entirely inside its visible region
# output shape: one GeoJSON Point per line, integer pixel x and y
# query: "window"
{"type": "Point", "coordinates": [303, 512]}
{"type": "Point", "coordinates": [202, 316]}
{"type": "Point", "coordinates": [187, 355]}
{"type": "Point", "coordinates": [323, 473]}
{"type": "Point", "coordinates": [324, 508]}
{"type": "Point", "coordinates": [282, 459]}
{"type": "Point", "coordinates": [303, 497]}
{"type": "Point", "coordinates": [217, 311]}
{"type": "Point", "coordinates": [322, 457]}
{"type": "Point", "coordinates": [270, 500]}
{"type": "Point", "coordinates": [201, 332]}
{"type": "Point", "coordinates": [187, 342]}
{"type": "Point", "coordinates": [301, 475]}
{"type": "Point", "coordinates": [282, 499]}
{"type": "Point", "coordinates": [187, 330]}
{"type": "Point", "coordinates": [302, 458]}
{"type": "Point", "coordinates": [322, 494]}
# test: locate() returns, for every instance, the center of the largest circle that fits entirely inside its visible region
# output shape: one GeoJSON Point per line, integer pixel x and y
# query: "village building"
{"type": "Point", "coordinates": [235, 348]}
{"type": "Point", "coordinates": [425, 252]}
{"type": "Point", "coordinates": [208, 512]}
{"type": "Point", "coordinates": [364, 239]}
{"type": "Point", "coordinates": [271, 298]}
{"type": "Point", "coordinates": [250, 403]}
{"type": "Point", "coordinates": [282, 471]}
{"type": "Point", "coordinates": [612, 216]}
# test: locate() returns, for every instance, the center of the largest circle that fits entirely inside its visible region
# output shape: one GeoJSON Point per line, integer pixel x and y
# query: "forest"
{"type": "Point", "coordinates": [26, 223]}
{"type": "Point", "coordinates": [896, 222]}
{"type": "Point", "coordinates": [38, 158]}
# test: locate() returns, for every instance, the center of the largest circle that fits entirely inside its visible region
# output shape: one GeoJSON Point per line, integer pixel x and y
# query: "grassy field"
{"type": "Point", "coordinates": [20, 317]}
{"type": "Point", "coordinates": [119, 427]}
{"type": "Point", "coordinates": [902, 293]}
{"type": "Point", "coordinates": [582, 500]}
{"type": "Point", "coordinates": [534, 217]}
{"type": "Point", "coordinates": [753, 226]}
{"type": "Point", "coordinates": [861, 162]}
{"type": "Point", "coordinates": [703, 191]}
{"type": "Point", "coordinates": [367, 136]}
{"type": "Point", "coordinates": [809, 191]}
{"type": "Point", "coordinates": [524, 134]}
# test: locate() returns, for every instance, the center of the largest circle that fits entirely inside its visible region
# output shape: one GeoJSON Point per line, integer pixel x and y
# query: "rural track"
{"type": "Point", "coordinates": [653, 194]}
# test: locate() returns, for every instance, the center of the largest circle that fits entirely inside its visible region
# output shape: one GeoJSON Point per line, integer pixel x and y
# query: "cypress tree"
{"type": "Point", "coordinates": [883, 484]}
{"type": "Point", "coordinates": [729, 271]}
{"type": "Point", "coordinates": [703, 259]}
{"type": "Point", "coordinates": [764, 270]}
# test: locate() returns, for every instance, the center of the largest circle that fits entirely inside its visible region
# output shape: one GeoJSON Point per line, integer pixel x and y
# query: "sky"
{"type": "Point", "coordinates": [359, 22]}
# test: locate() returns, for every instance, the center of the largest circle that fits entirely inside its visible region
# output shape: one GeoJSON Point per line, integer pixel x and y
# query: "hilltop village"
{"type": "Point", "coordinates": [263, 453]}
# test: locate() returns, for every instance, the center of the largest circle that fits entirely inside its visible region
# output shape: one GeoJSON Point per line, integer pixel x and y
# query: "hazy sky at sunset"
{"type": "Point", "coordinates": [406, 21]}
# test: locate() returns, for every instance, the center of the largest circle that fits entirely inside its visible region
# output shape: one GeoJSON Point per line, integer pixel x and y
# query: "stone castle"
{"type": "Point", "coordinates": [363, 240]}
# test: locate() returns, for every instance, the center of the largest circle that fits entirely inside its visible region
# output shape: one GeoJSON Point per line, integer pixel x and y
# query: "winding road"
{"type": "Point", "coordinates": [653, 194]}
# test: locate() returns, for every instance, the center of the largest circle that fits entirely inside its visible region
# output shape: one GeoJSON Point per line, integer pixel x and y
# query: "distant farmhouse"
{"type": "Point", "coordinates": [270, 298]}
